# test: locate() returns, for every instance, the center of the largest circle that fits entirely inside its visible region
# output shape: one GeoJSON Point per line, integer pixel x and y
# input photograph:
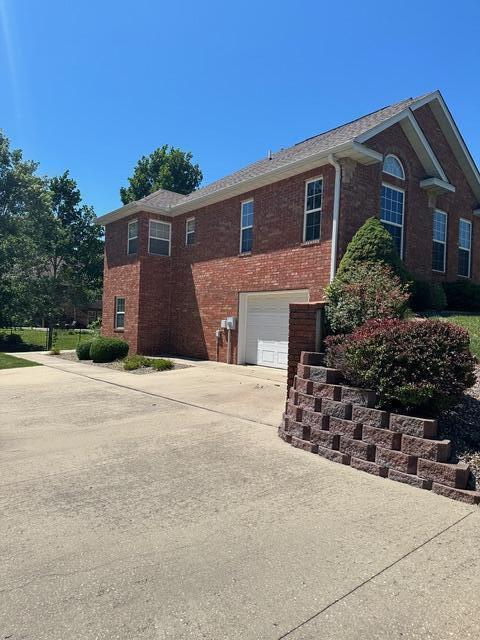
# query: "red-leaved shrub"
{"type": "Point", "coordinates": [414, 366]}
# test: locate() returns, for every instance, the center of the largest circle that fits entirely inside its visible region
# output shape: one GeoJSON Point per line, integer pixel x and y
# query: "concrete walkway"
{"type": "Point", "coordinates": [164, 506]}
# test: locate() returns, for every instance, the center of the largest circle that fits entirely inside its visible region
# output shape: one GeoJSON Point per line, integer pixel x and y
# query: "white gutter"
{"type": "Point", "coordinates": [336, 215]}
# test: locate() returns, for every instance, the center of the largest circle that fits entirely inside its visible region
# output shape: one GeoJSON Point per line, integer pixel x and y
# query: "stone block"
{"type": "Point", "coordinates": [357, 448]}
{"type": "Point", "coordinates": [312, 358]}
{"type": "Point", "coordinates": [302, 385]}
{"type": "Point", "coordinates": [305, 445]}
{"type": "Point", "coordinates": [369, 466]}
{"type": "Point", "coordinates": [308, 402]}
{"type": "Point", "coordinates": [315, 419]}
{"type": "Point", "coordinates": [451, 475]}
{"type": "Point", "coordinates": [325, 439]}
{"type": "Point", "coordinates": [372, 417]}
{"type": "Point", "coordinates": [336, 409]}
{"type": "Point", "coordinates": [408, 478]}
{"type": "Point", "coordinates": [345, 428]}
{"type": "Point", "coordinates": [334, 456]}
{"type": "Point", "coordinates": [362, 397]}
{"type": "Point", "coordinates": [322, 390]}
{"type": "Point", "coordinates": [381, 437]}
{"type": "Point", "coordinates": [464, 495]}
{"type": "Point", "coordinates": [418, 427]}
{"type": "Point", "coordinates": [396, 460]}
{"type": "Point", "coordinates": [324, 374]}
{"type": "Point", "coordinates": [437, 450]}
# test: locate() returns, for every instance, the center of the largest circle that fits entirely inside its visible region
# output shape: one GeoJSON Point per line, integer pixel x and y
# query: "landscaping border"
{"type": "Point", "coordinates": [339, 422]}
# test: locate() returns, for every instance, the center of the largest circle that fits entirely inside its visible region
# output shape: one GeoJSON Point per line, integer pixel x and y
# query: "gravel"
{"type": "Point", "coordinates": [461, 425]}
{"type": "Point", "coordinates": [117, 365]}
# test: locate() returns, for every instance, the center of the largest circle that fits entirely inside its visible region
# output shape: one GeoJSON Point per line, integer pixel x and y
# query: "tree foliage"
{"type": "Point", "coordinates": [166, 168]}
{"type": "Point", "coordinates": [51, 252]}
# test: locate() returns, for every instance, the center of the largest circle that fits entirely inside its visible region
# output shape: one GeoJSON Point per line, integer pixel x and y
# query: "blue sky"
{"type": "Point", "coordinates": [91, 86]}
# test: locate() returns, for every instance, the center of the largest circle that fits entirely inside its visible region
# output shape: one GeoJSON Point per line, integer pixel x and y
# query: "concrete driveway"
{"type": "Point", "coordinates": [164, 506]}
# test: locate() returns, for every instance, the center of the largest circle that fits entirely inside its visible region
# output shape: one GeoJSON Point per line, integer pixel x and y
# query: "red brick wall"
{"type": "Point", "coordinates": [176, 304]}
{"type": "Point", "coordinates": [208, 277]}
{"type": "Point", "coordinates": [302, 333]}
{"type": "Point", "coordinates": [360, 199]}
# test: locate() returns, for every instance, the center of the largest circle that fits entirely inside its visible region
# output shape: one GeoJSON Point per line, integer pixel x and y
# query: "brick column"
{"type": "Point", "coordinates": [302, 333]}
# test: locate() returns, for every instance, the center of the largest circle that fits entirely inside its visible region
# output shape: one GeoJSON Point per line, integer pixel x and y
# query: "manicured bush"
{"type": "Point", "coordinates": [136, 362]}
{"type": "Point", "coordinates": [462, 296]}
{"type": "Point", "coordinates": [415, 366]}
{"type": "Point", "coordinates": [427, 295]}
{"type": "Point", "coordinates": [55, 351]}
{"type": "Point", "coordinates": [108, 349]}
{"type": "Point", "coordinates": [372, 243]}
{"type": "Point", "coordinates": [368, 290]}
{"type": "Point", "coordinates": [83, 350]}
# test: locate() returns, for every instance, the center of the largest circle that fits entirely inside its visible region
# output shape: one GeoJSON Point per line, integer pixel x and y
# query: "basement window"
{"type": "Point", "coordinates": [439, 246]}
{"type": "Point", "coordinates": [159, 238]}
{"type": "Point", "coordinates": [119, 313]}
{"type": "Point", "coordinates": [313, 209]}
{"type": "Point", "coordinates": [132, 246]}
{"type": "Point", "coordinates": [464, 247]}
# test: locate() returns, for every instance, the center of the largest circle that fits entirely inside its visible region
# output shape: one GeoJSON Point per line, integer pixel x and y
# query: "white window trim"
{"type": "Point", "coordinates": [250, 226]}
{"type": "Point", "coordinates": [161, 255]}
{"type": "Point", "coordinates": [128, 237]}
{"type": "Point", "coordinates": [469, 222]}
{"type": "Point", "coordinates": [188, 232]}
{"type": "Point", "coordinates": [305, 212]}
{"type": "Point", "coordinates": [392, 155]}
{"type": "Point", "coordinates": [395, 224]}
{"type": "Point", "coordinates": [443, 213]}
{"type": "Point", "coordinates": [117, 313]}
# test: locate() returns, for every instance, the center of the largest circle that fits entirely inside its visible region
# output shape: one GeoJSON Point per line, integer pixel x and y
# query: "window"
{"type": "Point", "coordinates": [391, 214]}
{"type": "Point", "coordinates": [246, 233]}
{"type": "Point", "coordinates": [190, 231]}
{"type": "Point", "coordinates": [159, 238]}
{"type": "Point", "coordinates": [132, 246]}
{"type": "Point", "coordinates": [464, 247]}
{"type": "Point", "coordinates": [393, 167]}
{"type": "Point", "coordinates": [313, 209]}
{"type": "Point", "coordinates": [119, 313]}
{"type": "Point", "coordinates": [439, 247]}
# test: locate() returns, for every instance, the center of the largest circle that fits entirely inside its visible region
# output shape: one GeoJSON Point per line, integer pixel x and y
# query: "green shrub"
{"type": "Point", "coordinates": [108, 349]}
{"type": "Point", "coordinates": [368, 290]}
{"type": "Point", "coordinates": [414, 366]}
{"type": "Point", "coordinates": [55, 351]}
{"type": "Point", "coordinates": [462, 296]}
{"type": "Point", "coordinates": [136, 362]}
{"type": "Point", "coordinates": [83, 350]}
{"type": "Point", "coordinates": [428, 295]}
{"type": "Point", "coordinates": [372, 243]}
{"type": "Point", "coordinates": [10, 341]}
{"type": "Point", "coordinates": [161, 364]}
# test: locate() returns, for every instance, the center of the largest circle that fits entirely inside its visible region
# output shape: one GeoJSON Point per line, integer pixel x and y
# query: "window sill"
{"type": "Point", "coordinates": [119, 330]}
{"type": "Point", "coordinates": [159, 255]}
{"type": "Point", "coordinates": [464, 277]}
{"type": "Point", "coordinates": [308, 243]}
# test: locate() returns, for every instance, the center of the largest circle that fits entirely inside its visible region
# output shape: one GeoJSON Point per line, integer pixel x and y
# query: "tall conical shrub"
{"type": "Point", "coordinates": [372, 243]}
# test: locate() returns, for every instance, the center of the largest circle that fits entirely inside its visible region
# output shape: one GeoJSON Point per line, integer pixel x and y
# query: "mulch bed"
{"type": "Point", "coordinates": [117, 365]}
{"type": "Point", "coordinates": [461, 425]}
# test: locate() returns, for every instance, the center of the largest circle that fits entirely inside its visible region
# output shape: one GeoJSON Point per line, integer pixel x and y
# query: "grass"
{"type": "Point", "coordinates": [130, 363]}
{"type": "Point", "coordinates": [36, 340]}
{"type": "Point", "coordinates": [470, 322]}
{"type": "Point", "coordinates": [11, 362]}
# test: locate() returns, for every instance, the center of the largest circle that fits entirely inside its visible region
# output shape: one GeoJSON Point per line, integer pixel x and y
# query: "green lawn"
{"type": "Point", "coordinates": [36, 340]}
{"type": "Point", "coordinates": [11, 362]}
{"type": "Point", "coordinates": [470, 322]}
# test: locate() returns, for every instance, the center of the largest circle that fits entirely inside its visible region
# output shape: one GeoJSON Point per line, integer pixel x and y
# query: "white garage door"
{"type": "Point", "coordinates": [267, 328]}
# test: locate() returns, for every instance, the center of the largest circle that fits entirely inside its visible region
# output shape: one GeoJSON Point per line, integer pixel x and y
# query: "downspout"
{"type": "Point", "coordinates": [336, 215]}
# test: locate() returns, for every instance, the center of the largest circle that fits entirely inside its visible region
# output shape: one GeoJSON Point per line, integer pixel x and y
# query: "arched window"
{"type": "Point", "coordinates": [393, 167]}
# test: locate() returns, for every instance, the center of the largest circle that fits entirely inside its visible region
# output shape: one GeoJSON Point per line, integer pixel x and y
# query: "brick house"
{"type": "Point", "coordinates": [178, 269]}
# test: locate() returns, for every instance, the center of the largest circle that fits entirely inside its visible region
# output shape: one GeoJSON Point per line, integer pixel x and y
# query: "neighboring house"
{"type": "Point", "coordinates": [273, 233]}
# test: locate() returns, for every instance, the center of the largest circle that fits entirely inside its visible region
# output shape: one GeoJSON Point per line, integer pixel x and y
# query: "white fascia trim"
{"type": "Point", "coordinates": [476, 212]}
{"type": "Point", "coordinates": [352, 149]}
{"type": "Point", "coordinates": [437, 185]}
{"type": "Point", "coordinates": [128, 210]}
{"type": "Point", "coordinates": [346, 149]}
{"type": "Point", "coordinates": [407, 115]}
{"type": "Point", "coordinates": [437, 96]}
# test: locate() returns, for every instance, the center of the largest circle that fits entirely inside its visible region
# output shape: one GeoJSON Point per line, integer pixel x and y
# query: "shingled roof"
{"type": "Point", "coordinates": [321, 142]}
{"type": "Point", "coordinates": [348, 138]}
